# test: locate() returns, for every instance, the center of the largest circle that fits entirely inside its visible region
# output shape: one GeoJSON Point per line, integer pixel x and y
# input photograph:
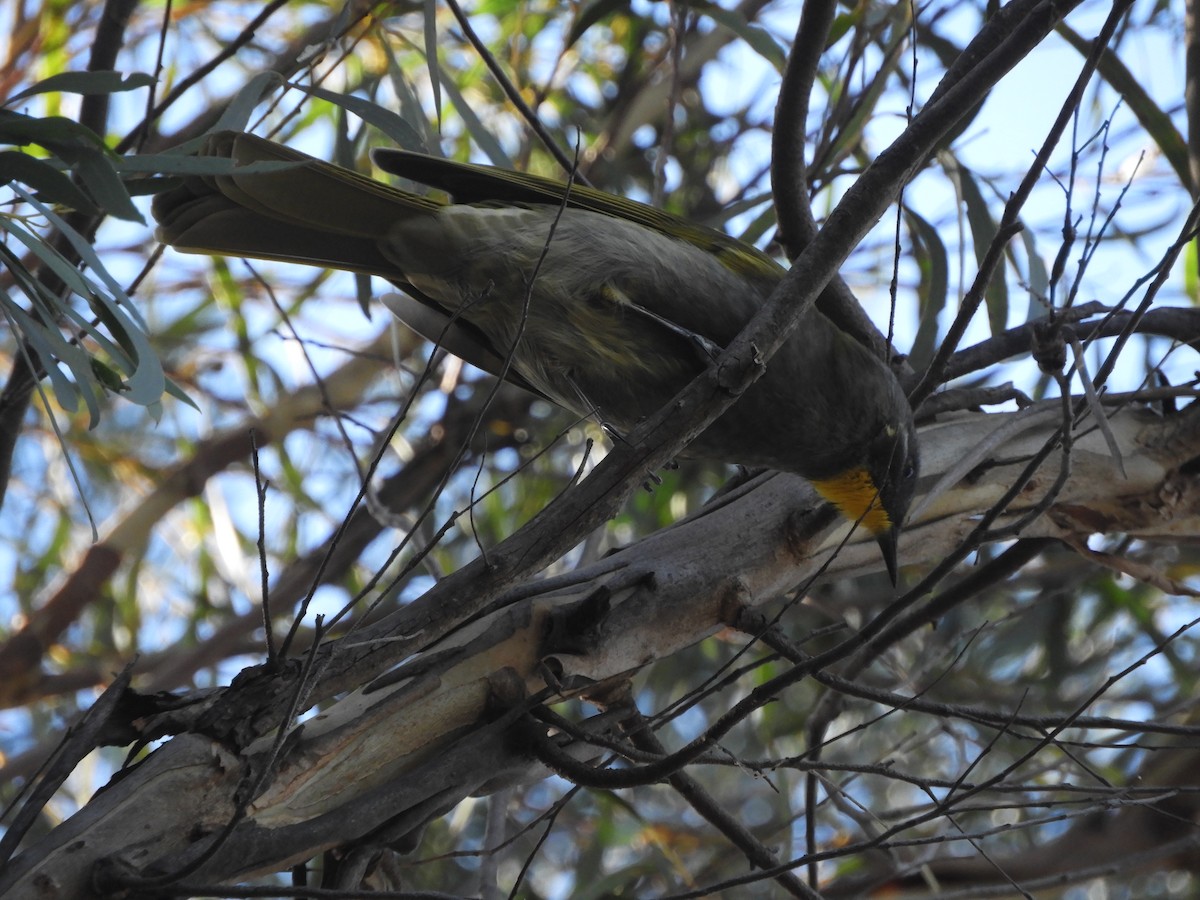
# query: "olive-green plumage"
{"type": "Point", "coordinates": [627, 304]}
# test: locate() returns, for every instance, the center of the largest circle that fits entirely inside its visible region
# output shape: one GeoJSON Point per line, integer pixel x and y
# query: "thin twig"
{"type": "Point", "coordinates": [1009, 221]}
{"type": "Point", "coordinates": [514, 95]}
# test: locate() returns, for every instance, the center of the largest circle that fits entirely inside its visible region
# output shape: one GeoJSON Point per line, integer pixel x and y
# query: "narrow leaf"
{"type": "Point", "coordinates": [930, 254]}
{"type": "Point", "coordinates": [51, 184]}
{"type": "Point", "coordinates": [757, 38]}
{"type": "Point", "coordinates": [431, 58]}
{"type": "Point", "coordinates": [983, 232]}
{"type": "Point", "coordinates": [478, 131]}
{"type": "Point", "coordinates": [237, 114]}
{"type": "Point", "coordinates": [86, 83]}
{"type": "Point", "coordinates": [372, 113]}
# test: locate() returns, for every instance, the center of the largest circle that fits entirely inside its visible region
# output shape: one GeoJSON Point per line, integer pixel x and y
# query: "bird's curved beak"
{"type": "Point", "coordinates": [889, 540]}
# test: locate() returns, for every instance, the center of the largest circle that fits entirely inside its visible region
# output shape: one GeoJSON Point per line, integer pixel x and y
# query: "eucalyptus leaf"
{"type": "Point", "coordinates": [237, 114]}
{"type": "Point", "coordinates": [51, 184]}
{"type": "Point", "coordinates": [483, 138]}
{"type": "Point", "coordinates": [1037, 277]}
{"type": "Point", "coordinates": [410, 104]}
{"type": "Point", "coordinates": [79, 148]}
{"type": "Point", "coordinates": [382, 118]}
{"type": "Point", "coordinates": [87, 253]}
{"type": "Point", "coordinates": [88, 83]}
{"type": "Point", "coordinates": [97, 171]}
{"type": "Point", "coordinates": [756, 37]}
{"type": "Point", "coordinates": [763, 222]}
{"type": "Point", "coordinates": [431, 57]}
{"type": "Point", "coordinates": [178, 393]}
{"type": "Point", "coordinates": [929, 251]}
{"type": "Point", "coordinates": [1191, 277]}
{"type": "Point", "coordinates": [107, 376]}
{"type": "Point", "coordinates": [146, 380]}
{"type": "Point", "coordinates": [52, 349]}
{"type": "Point", "coordinates": [50, 258]}
{"type": "Point", "coordinates": [55, 133]}
{"type": "Point", "coordinates": [983, 231]}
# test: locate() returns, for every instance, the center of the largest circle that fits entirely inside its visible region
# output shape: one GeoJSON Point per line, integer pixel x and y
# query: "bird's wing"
{"type": "Point", "coordinates": [471, 183]}
{"type": "Point", "coordinates": [456, 336]}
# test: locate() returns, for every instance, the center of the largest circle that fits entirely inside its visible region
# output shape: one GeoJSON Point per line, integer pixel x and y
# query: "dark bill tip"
{"type": "Point", "coordinates": [888, 543]}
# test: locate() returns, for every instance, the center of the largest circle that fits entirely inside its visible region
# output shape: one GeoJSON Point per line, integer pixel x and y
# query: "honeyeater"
{"type": "Point", "coordinates": [604, 305]}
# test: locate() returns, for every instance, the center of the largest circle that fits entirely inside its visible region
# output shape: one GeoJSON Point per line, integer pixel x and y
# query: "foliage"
{"type": "Point", "coordinates": [232, 426]}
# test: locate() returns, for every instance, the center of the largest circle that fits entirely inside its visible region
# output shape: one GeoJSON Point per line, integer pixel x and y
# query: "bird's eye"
{"type": "Point", "coordinates": [909, 470]}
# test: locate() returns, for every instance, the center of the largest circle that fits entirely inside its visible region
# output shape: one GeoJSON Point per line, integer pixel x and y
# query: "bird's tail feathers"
{"type": "Point", "coordinates": [308, 212]}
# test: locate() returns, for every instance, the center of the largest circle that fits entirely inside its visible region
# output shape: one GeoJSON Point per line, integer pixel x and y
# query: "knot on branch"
{"type": "Point", "coordinates": [1049, 347]}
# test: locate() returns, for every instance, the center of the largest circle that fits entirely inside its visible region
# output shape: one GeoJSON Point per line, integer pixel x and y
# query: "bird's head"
{"type": "Point", "coordinates": [878, 489]}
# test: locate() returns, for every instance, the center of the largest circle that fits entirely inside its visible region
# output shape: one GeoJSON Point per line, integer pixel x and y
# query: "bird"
{"type": "Point", "coordinates": [599, 303]}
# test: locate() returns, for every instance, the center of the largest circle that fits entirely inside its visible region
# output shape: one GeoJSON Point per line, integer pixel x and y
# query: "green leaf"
{"type": "Point", "coordinates": [762, 223]}
{"type": "Point", "coordinates": [50, 258]}
{"type": "Point", "coordinates": [146, 380]}
{"type": "Point", "coordinates": [79, 148]}
{"type": "Point", "coordinates": [410, 106]}
{"type": "Point", "coordinates": [108, 376]}
{"type": "Point", "coordinates": [237, 114]}
{"type": "Point", "coordinates": [52, 348]}
{"type": "Point", "coordinates": [1037, 277]}
{"type": "Point", "coordinates": [1191, 268]}
{"type": "Point", "coordinates": [483, 138]}
{"type": "Point", "coordinates": [179, 394]}
{"type": "Point", "coordinates": [842, 24]}
{"type": "Point", "coordinates": [930, 254]}
{"type": "Point", "coordinates": [89, 83]}
{"type": "Point", "coordinates": [51, 184]}
{"type": "Point", "coordinates": [431, 57]}
{"type": "Point", "coordinates": [756, 37]}
{"type": "Point", "coordinates": [850, 133]}
{"type": "Point", "coordinates": [372, 113]}
{"type": "Point", "coordinates": [98, 171]}
{"type": "Point", "coordinates": [55, 133]}
{"type": "Point", "coordinates": [87, 253]}
{"type": "Point", "coordinates": [983, 232]}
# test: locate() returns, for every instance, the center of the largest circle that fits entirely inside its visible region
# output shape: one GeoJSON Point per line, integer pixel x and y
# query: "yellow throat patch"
{"type": "Point", "coordinates": [855, 494]}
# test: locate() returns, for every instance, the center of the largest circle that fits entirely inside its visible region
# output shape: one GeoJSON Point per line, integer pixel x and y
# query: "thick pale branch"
{"type": "Point", "coordinates": [652, 599]}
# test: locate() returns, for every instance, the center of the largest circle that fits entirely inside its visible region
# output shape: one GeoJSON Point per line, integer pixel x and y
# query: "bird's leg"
{"type": "Point", "coordinates": [593, 411]}
{"type": "Point", "coordinates": [708, 349]}
{"type": "Point", "coordinates": [611, 430]}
